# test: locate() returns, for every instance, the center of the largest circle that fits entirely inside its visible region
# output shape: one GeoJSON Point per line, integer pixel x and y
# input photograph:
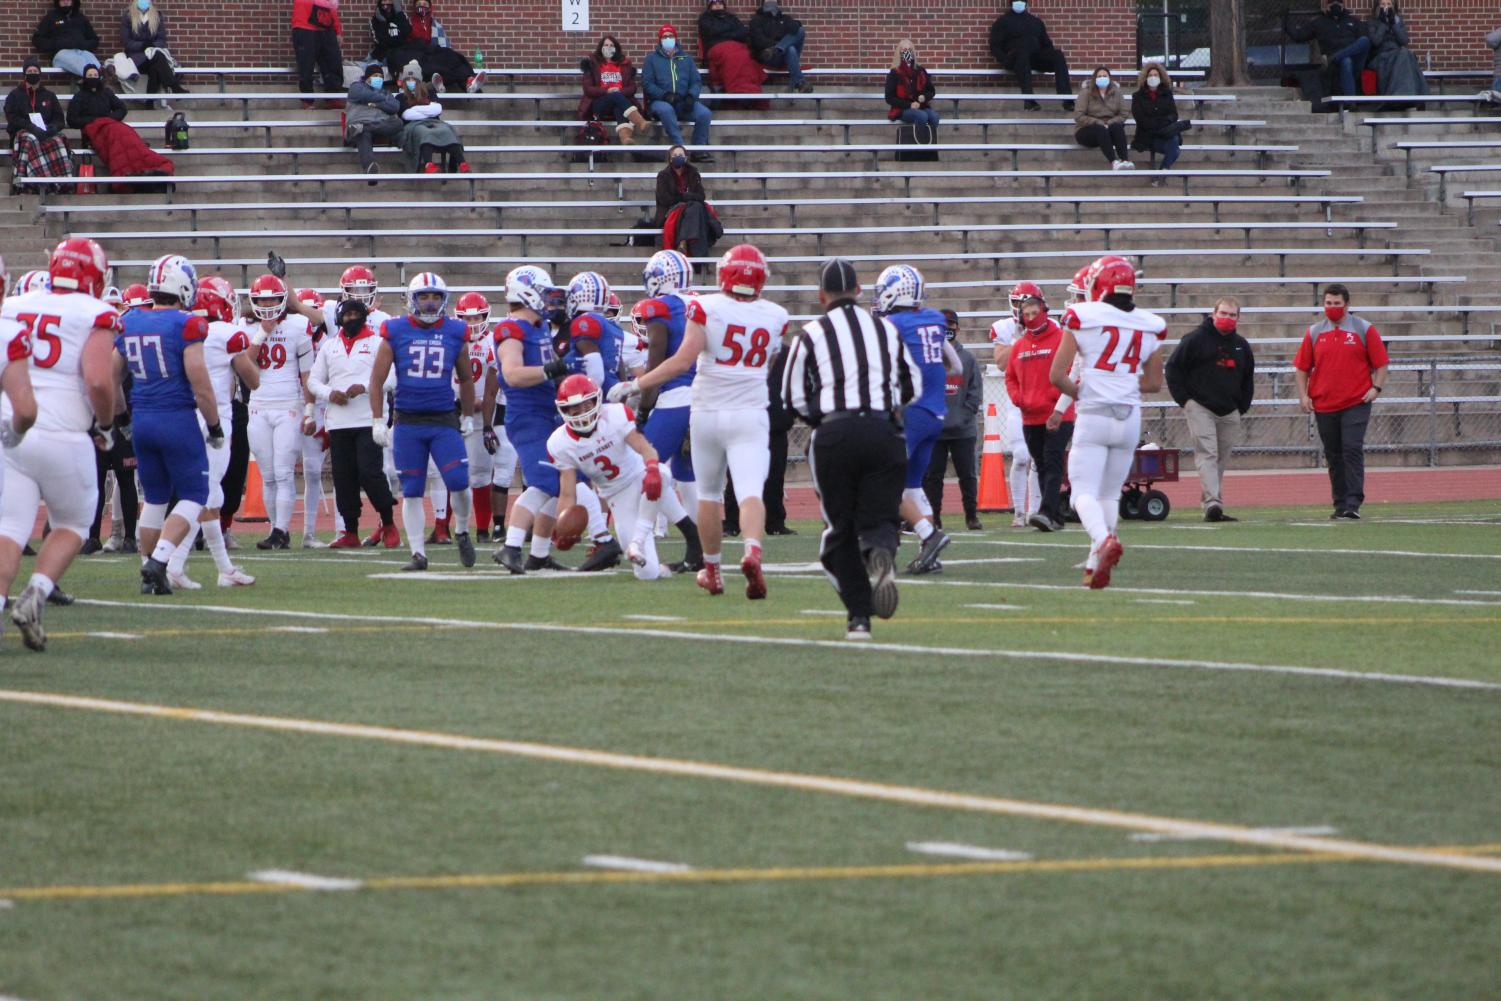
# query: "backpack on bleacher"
{"type": "Point", "coordinates": [590, 134]}
{"type": "Point", "coordinates": [177, 131]}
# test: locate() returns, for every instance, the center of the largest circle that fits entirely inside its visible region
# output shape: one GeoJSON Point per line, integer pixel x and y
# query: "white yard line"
{"type": "Point", "coordinates": [627, 864]}
{"type": "Point", "coordinates": [311, 630]}
{"type": "Point", "coordinates": [863, 649]}
{"type": "Point", "coordinates": [654, 618]}
{"type": "Point", "coordinates": [999, 559]}
{"type": "Point", "coordinates": [949, 849]}
{"type": "Point", "coordinates": [486, 576]}
{"type": "Point", "coordinates": [832, 612]}
{"type": "Point", "coordinates": [997, 608]}
{"type": "Point", "coordinates": [114, 636]}
{"type": "Point", "coordinates": [1164, 601]}
{"type": "Point", "coordinates": [302, 880]}
{"type": "Point", "coordinates": [1312, 832]}
{"type": "Point", "coordinates": [1285, 550]}
{"type": "Point", "coordinates": [827, 785]}
{"type": "Point", "coordinates": [1490, 593]}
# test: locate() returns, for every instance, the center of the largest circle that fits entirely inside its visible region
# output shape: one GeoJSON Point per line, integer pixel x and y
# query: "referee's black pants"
{"type": "Point", "coordinates": [356, 461]}
{"type": "Point", "coordinates": [859, 467]}
{"type": "Point", "coordinates": [121, 460]}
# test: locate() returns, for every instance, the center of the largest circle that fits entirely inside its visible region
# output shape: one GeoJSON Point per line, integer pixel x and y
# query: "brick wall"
{"type": "Point", "coordinates": [841, 32]}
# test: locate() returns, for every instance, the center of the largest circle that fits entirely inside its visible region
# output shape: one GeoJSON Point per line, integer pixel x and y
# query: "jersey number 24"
{"type": "Point", "coordinates": [1131, 356]}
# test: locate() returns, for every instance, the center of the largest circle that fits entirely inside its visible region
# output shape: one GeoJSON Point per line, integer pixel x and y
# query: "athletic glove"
{"type": "Point", "coordinates": [492, 441]}
{"type": "Point", "coordinates": [621, 390]}
{"type": "Point", "coordinates": [259, 337]}
{"type": "Point", "coordinates": [215, 437]}
{"type": "Point", "coordinates": [9, 436]}
{"type": "Point", "coordinates": [466, 425]}
{"type": "Point", "coordinates": [104, 438]}
{"type": "Point", "coordinates": [122, 426]}
{"type": "Point", "coordinates": [276, 265]}
{"type": "Point", "coordinates": [555, 369]}
{"type": "Point", "coordinates": [379, 432]}
{"type": "Point", "coordinates": [651, 483]}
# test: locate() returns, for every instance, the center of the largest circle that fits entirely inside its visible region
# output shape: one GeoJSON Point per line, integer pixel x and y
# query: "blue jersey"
{"type": "Point", "coordinates": [671, 311]}
{"type": "Point", "coordinates": [536, 350]}
{"type": "Point", "coordinates": [424, 358]}
{"type": "Point", "coordinates": [603, 332]}
{"type": "Point", "coordinates": [152, 342]}
{"type": "Point", "coordinates": [924, 332]}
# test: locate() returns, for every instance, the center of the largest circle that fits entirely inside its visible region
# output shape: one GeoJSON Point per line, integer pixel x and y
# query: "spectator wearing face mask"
{"type": "Point", "coordinates": [1342, 39]}
{"type": "Point", "coordinates": [66, 37]}
{"type": "Point", "coordinates": [610, 90]}
{"type": "Point", "coordinates": [1047, 415]}
{"type": "Point", "coordinates": [93, 101]}
{"type": "Point", "coordinates": [963, 393]}
{"type": "Point", "coordinates": [143, 35]}
{"type": "Point", "coordinates": [688, 221]}
{"type": "Point", "coordinates": [1158, 128]}
{"type": "Point", "coordinates": [1019, 42]}
{"type": "Point", "coordinates": [776, 40]}
{"type": "Point", "coordinates": [1397, 68]}
{"type": "Point", "coordinates": [96, 112]}
{"type": "Point", "coordinates": [909, 89]}
{"type": "Point", "coordinates": [672, 85]}
{"type": "Point", "coordinates": [374, 113]}
{"type": "Point", "coordinates": [724, 47]}
{"type": "Point", "coordinates": [426, 134]}
{"type": "Point", "coordinates": [1100, 121]}
{"type": "Point", "coordinates": [1211, 375]}
{"type": "Point", "coordinates": [34, 120]}
{"type": "Point", "coordinates": [315, 43]}
{"type": "Point", "coordinates": [441, 63]}
{"type": "Point", "coordinates": [391, 37]}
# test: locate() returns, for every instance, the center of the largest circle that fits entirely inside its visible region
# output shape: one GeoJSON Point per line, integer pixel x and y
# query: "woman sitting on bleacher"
{"type": "Point", "coordinates": [143, 35]}
{"type": "Point", "coordinates": [1158, 128]}
{"type": "Point", "coordinates": [440, 63]}
{"type": "Point", "coordinates": [426, 134]}
{"type": "Point", "coordinates": [34, 119]}
{"type": "Point", "coordinates": [909, 89]}
{"type": "Point", "coordinates": [65, 36]}
{"type": "Point", "coordinates": [1397, 68]}
{"type": "Point", "coordinates": [100, 116]}
{"type": "Point", "coordinates": [689, 223]}
{"type": "Point", "coordinates": [1100, 119]}
{"type": "Point", "coordinates": [610, 90]}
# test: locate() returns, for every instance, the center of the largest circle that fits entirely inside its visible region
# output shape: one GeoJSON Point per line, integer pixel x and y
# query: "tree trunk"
{"type": "Point", "coordinates": [1227, 39]}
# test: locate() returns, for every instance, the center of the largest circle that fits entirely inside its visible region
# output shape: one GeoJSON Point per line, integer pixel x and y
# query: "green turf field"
{"type": "Point", "coordinates": [567, 788]}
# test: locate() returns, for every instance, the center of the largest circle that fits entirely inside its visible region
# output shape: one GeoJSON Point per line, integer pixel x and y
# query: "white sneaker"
{"type": "Point", "coordinates": [476, 83]}
{"type": "Point", "coordinates": [1117, 165]}
{"type": "Point", "coordinates": [1020, 521]}
{"type": "Point", "coordinates": [1127, 165]}
{"type": "Point", "coordinates": [182, 582]}
{"type": "Point", "coordinates": [112, 546]}
{"type": "Point", "coordinates": [311, 541]}
{"type": "Point", "coordinates": [634, 554]}
{"type": "Point", "coordinates": [236, 578]}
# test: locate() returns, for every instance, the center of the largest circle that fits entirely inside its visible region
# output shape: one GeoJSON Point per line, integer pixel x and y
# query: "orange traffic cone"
{"type": "Point", "coordinates": [254, 507]}
{"type": "Point", "coordinates": [993, 496]}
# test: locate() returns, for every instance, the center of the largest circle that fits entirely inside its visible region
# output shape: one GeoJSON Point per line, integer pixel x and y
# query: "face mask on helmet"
{"type": "Point", "coordinates": [427, 304]}
{"type": "Point", "coordinates": [268, 307]}
{"type": "Point", "coordinates": [579, 404]}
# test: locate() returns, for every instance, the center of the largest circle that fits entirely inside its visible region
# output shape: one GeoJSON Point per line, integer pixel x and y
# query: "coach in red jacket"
{"type": "Point", "coordinates": [1340, 368]}
{"type": "Point", "coordinates": [1047, 415]}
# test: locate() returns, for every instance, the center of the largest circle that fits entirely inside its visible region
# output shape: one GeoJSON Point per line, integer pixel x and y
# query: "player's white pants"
{"type": "Point", "coordinates": [634, 518]}
{"type": "Point", "coordinates": [503, 462]}
{"type": "Point", "coordinates": [733, 441]}
{"type": "Point", "coordinates": [52, 466]}
{"type": "Point", "coordinates": [313, 459]}
{"type": "Point", "coordinates": [1099, 460]}
{"type": "Point", "coordinates": [481, 462]}
{"type": "Point", "coordinates": [1026, 491]}
{"type": "Point", "coordinates": [218, 464]}
{"type": "Point", "coordinates": [276, 443]}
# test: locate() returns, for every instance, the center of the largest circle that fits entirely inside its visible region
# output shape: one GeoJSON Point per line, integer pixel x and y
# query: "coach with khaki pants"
{"type": "Point", "coordinates": [1211, 377]}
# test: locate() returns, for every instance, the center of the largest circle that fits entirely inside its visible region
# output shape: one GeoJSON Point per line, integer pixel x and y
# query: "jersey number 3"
{"type": "Point", "coordinates": [1131, 356]}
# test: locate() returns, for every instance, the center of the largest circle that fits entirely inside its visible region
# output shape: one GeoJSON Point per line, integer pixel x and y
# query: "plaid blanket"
{"type": "Point", "coordinates": [33, 157]}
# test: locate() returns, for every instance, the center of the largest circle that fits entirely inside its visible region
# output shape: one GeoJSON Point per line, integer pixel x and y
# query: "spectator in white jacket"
{"type": "Point", "coordinates": [341, 380]}
{"type": "Point", "coordinates": [426, 134]}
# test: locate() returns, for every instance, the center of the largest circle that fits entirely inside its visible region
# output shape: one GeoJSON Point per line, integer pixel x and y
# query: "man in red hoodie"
{"type": "Point", "coordinates": [315, 41]}
{"type": "Point", "coordinates": [1047, 414]}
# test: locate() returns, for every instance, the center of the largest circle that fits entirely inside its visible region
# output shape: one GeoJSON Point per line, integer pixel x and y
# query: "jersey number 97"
{"type": "Point", "coordinates": [141, 349]}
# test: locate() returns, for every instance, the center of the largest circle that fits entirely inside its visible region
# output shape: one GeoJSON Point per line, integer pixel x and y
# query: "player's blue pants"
{"type": "Point", "coordinates": [528, 434]}
{"type": "Point", "coordinates": [923, 428]}
{"type": "Point", "coordinates": [667, 429]}
{"type": "Point", "coordinates": [171, 456]}
{"type": "Point", "coordinates": [412, 444]}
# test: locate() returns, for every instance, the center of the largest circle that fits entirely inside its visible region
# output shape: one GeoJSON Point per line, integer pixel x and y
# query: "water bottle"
{"type": "Point", "coordinates": [479, 61]}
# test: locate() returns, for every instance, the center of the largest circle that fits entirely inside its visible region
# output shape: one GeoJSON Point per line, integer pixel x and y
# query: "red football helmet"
{"type": "Point", "coordinates": [216, 299]}
{"type": "Point", "coordinates": [742, 271]}
{"type": "Point", "coordinates": [78, 265]}
{"type": "Point", "coordinates": [268, 297]}
{"type": "Point", "coordinates": [1076, 287]}
{"type": "Point", "coordinates": [358, 282]}
{"type": "Point", "coordinates": [613, 309]}
{"type": "Point", "coordinates": [1110, 275]}
{"type": "Point", "coordinates": [1020, 293]}
{"type": "Point", "coordinates": [311, 297]}
{"type": "Point", "coordinates": [474, 310]}
{"type": "Point", "coordinates": [638, 318]}
{"type": "Point", "coordinates": [136, 296]}
{"type": "Point", "coordinates": [579, 403]}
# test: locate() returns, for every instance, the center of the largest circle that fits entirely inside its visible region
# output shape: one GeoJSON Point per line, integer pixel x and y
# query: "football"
{"type": "Point", "coordinates": [571, 525]}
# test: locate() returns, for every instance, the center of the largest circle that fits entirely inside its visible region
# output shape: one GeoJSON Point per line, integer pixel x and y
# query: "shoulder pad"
{"type": "Point", "coordinates": [588, 326]}
{"type": "Point", "coordinates": [695, 311]}
{"type": "Point", "coordinates": [237, 342]}
{"type": "Point", "coordinates": [508, 330]}
{"type": "Point", "coordinates": [656, 309]}
{"type": "Point", "coordinates": [195, 329]}
{"type": "Point", "coordinates": [1071, 319]}
{"type": "Point", "coordinates": [384, 333]}
{"type": "Point", "coordinates": [18, 348]}
{"type": "Point", "coordinates": [108, 320]}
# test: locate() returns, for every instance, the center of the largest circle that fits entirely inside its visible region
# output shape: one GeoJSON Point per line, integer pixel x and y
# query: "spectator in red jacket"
{"type": "Point", "coordinates": [610, 89]}
{"type": "Point", "coordinates": [315, 42]}
{"type": "Point", "coordinates": [1047, 415]}
{"type": "Point", "coordinates": [1340, 368]}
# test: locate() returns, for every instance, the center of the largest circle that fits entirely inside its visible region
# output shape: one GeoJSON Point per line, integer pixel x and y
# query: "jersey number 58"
{"type": "Point", "coordinates": [753, 356]}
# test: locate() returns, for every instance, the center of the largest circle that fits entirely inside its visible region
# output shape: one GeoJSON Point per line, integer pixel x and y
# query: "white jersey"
{"type": "Point", "coordinates": [224, 341]}
{"type": "Point", "coordinates": [633, 349]}
{"type": "Point", "coordinates": [58, 324]}
{"type": "Point", "coordinates": [603, 457]}
{"type": "Point", "coordinates": [1003, 332]}
{"type": "Point", "coordinates": [740, 339]}
{"type": "Point", "coordinates": [286, 353]}
{"type": "Point", "coordinates": [1114, 346]}
{"type": "Point", "coordinates": [481, 360]}
{"type": "Point", "coordinates": [331, 309]}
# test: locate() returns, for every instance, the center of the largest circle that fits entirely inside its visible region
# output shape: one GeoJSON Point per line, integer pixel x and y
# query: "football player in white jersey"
{"type": "Point", "coordinates": [71, 333]}
{"type": "Point", "coordinates": [32, 281]}
{"type": "Point", "coordinates": [226, 353]}
{"type": "Point", "coordinates": [1117, 345]}
{"type": "Point", "coordinates": [732, 336]}
{"type": "Point", "coordinates": [283, 349]}
{"type": "Point", "coordinates": [601, 443]}
{"type": "Point", "coordinates": [1026, 491]}
{"type": "Point", "coordinates": [474, 310]}
{"type": "Point", "coordinates": [15, 380]}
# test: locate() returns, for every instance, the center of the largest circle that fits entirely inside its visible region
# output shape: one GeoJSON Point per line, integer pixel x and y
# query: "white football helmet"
{"type": "Point", "coordinates": [588, 293]}
{"type": "Point", "coordinates": [899, 285]}
{"type": "Point", "coordinates": [32, 281]}
{"type": "Point", "coordinates": [174, 275]}
{"type": "Point", "coordinates": [667, 271]}
{"type": "Point", "coordinates": [529, 286]}
{"type": "Point", "coordinates": [428, 281]}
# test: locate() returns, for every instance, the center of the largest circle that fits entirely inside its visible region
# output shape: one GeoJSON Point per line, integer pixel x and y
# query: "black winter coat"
{"type": "Point", "coordinates": [720, 26]}
{"type": "Point", "coordinates": [137, 42]}
{"type": "Point", "coordinates": [1012, 33]}
{"type": "Point", "coordinates": [388, 34]}
{"type": "Point", "coordinates": [1332, 33]}
{"type": "Point", "coordinates": [64, 29]}
{"type": "Point", "coordinates": [19, 104]}
{"type": "Point", "coordinates": [1215, 370]}
{"type": "Point", "coordinates": [766, 30]}
{"type": "Point", "coordinates": [903, 86]}
{"type": "Point", "coordinates": [1153, 114]}
{"type": "Point", "coordinates": [88, 105]}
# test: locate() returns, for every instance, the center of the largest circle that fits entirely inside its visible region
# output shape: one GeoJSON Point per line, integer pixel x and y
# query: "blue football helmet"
{"type": "Point", "coordinates": [899, 285]}
{"type": "Point", "coordinates": [667, 271]}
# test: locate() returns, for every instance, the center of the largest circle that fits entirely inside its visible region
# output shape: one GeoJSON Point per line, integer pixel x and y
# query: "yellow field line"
{"type": "Point", "coordinates": [823, 784]}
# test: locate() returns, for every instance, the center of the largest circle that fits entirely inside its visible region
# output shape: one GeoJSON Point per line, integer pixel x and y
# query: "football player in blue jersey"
{"type": "Point", "coordinates": [663, 411]}
{"type": "Point", "coordinates": [429, 350]}
{"type": "Point", "coordinates": [594, 339]}
{"type": "Point", "coordinates": [898, 298]}
{"type": "Point", "coordinates": [162, 348]}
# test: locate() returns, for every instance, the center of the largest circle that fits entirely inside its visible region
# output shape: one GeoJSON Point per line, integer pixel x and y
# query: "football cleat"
{"type": "Point", "coordinates": [692, 563]}
{"type": "Point", "coordinates": [276, 540]}
{"type": "Point", "coordinates": [927, 558]}
{"type": "Point", "coordinates": [348, 540]}
{"type": "Point", "coordinates": [235, 578]}
{"type": "Point", "coordinates": [390, 536]}
{"type": "Point", "coordinates": [544, 563]}
{"type": "Point", "coordinates": [857, 628]}
{"type": "Point", "coordinates": [439, 535]}
{"type": "Point", "coordinates": [417, 562]}
{"type": "Point", "coordinates": [311, 541]}
{"type": "Point", "coordinates": [710, 580]}
{"type": "Point", "coordinates": [1041, 522]}
{"type": "Point", "coordinates": [1110, 554]}
{"type": "Point", "coordinates": [182, 582]}
{"type": "Point", "coordinates": [634, 553]}
{"type": "Point", "coordinates": [374, 539]}
{"type": "Point", "coordinates": [466, 548]}
{"type": "Point", "coordinates": [510, 558]}
{"type": "Point", "coordinates": [26, 613]}
{"type": "Point", "coordinates": [755, 580]}
{"type": "Point", "coordinates": [60, 597]}
{"type": "Point", "coordinates": [882, 570]}
{"type": "Point", "coordinates": [602, 556]}
{"type": "Point", "coordinates": [154, 577]}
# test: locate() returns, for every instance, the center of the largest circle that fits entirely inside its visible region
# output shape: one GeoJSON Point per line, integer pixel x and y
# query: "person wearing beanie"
{"type": "Point", "coordinates": [776, 40]}
{"type": "Point", "coordinates": [374, 113]}
{"type": "Point", "coordinates": [671, 82]}
{"type": "Point", "coordinates": [65, 36]}
{"type": "Point", "coordinates": [34, 120]}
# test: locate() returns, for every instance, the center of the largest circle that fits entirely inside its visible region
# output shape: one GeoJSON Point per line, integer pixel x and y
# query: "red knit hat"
{"type": "Point", "coordinates": [666, 30]}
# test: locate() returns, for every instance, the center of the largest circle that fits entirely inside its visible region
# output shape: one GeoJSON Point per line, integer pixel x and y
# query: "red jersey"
{"type": "Point", "coordinates": [1339, 359]}
{"type": "Point", "coordinates": [1028, 381]}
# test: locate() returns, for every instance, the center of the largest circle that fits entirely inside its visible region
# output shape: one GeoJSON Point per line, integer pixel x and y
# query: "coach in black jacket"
{"type": "Point", "coordinates": [1211, 376]}
{"type": "Point", "coordinates": [1019, 42]}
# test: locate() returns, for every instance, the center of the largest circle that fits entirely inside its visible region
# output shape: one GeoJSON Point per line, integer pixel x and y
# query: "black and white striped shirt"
{"type": "Point", "coordinates": [848, 361]}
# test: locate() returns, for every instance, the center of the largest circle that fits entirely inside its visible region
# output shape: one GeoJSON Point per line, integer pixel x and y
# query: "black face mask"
{"type": "Point", "coordinates": [33, 80]}
{"type": "Point", "coordinates": [92, 83]}
{"type": "Point", "coordinates": [352, 317]}
{"type": "Point", "coordinates": [1336, 10]}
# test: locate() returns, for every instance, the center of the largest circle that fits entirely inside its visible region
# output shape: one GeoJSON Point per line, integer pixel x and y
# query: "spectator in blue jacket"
{"type": "Point", "coordinates": [672, 85]}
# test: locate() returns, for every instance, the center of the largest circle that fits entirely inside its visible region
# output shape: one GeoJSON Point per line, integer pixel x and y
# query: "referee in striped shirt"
{"type": "Point", "coordinates": [849, 375]}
